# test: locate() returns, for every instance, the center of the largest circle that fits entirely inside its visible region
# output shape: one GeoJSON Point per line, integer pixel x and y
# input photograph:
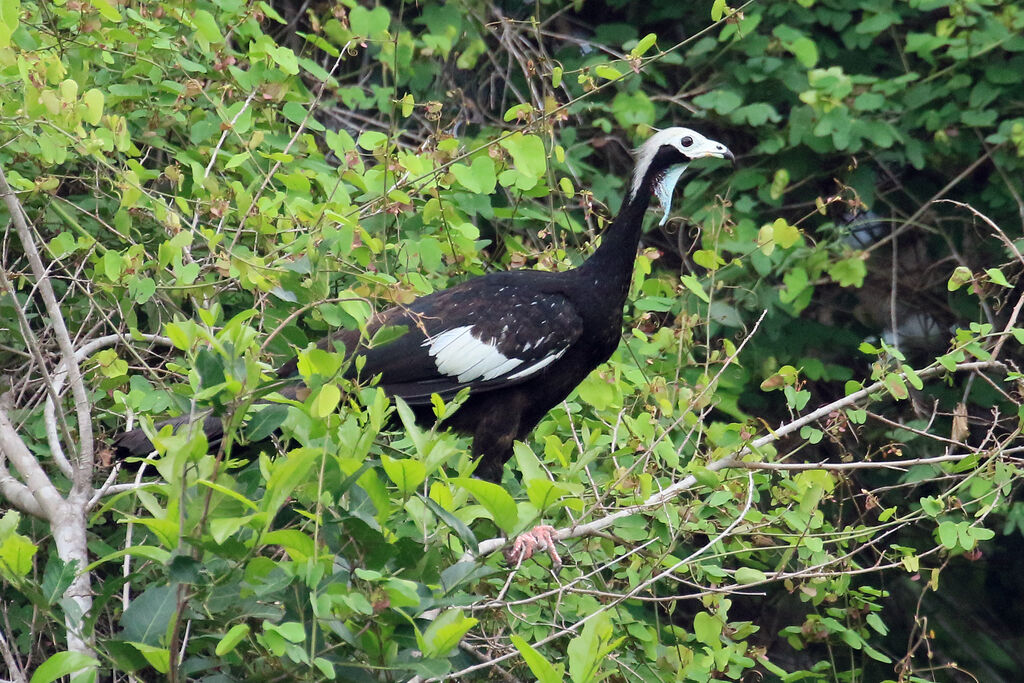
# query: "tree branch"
{"type": "Point", "coordinates": [46, 500]}
{"type": "Point", "coordinates": [82, 473]}
{"type": "Point", "coordinates": [735, 460]}
{"type": "Point", "coordinates": [61, 374]}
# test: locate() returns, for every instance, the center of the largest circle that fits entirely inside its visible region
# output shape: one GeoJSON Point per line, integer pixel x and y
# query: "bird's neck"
{"type": "Point", "coordinates": [611, 264]}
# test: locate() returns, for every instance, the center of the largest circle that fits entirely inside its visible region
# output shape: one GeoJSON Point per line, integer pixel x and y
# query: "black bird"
{"type": "Point", "coordinates": [519, 340]}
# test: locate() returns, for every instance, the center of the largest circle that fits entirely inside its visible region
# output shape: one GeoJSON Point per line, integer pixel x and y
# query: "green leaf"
{"type": "Point", "coordinates": [231, 639]}
{"type": "Point", "coordinates": [950, 360]}
{"type": "Point", "coordinates": [868, 101]}
{"type": "Point", "coordinates": [494, 499]}
{"type": "Point", "coordinates": [932, 506]}
{"type": "Point", "coordinates": [948, 536]}
{"type": "Point", "coordinates": [543, 671]}
{"type": "Point", "coordinates": [693, 284]}
{"type": "Point", "coordinates": [645, 44]}
{"type": "Point", "coordinates": [207, 27]}
{"type": "Point", "coordinates": [544, 493]}
{"type": "Point", "coordinates": [912, 377]}
{"type": "Point", "coordinates": [16, 551]}
{"type": "Point", "coordinates": [996, 276]}
{"type": "Point", "coordinates": [556, 77]}
{"type": "Point", "coordinates": [478, 177]}
{"type": "Point", "coordinates": [896, 386]}
{"type": "Point", "coordinates": [797, 282]}
{"type": "Point", "coordinates": [296, 113]}
{"type": "Point", "coordinates": [62, 664]}
{"type": "Point", "coordinates": [588, 650]}
{"type": "Point", "coordinates": [326, 667]}
{"type": "Point", "coordinates": [292, 631]}
{"type": "Point", "coordinates": [718, 8]}
{"type": "Point", "coordinates": [960, 277]}
{"type": "Point", "coordinates": [784, 234]}
{"type": "Point", "coordinates": [708, 258]}
{"type": "Point", "coordinates": [93, 101]}
{"type": "Point", "coordinates": [849, 272]}
{"type": "Point", "coordinates": [805, 51]}
{"type": "Point", "coordinates": [411, 428]}
{"type": "Point", "coordinates": [406, 473]}
{"type": "Point", "coordinates": [566, 186]}
{"type": "Point", "coordinates": [722, 101]}
{"type": "Point", "coordinates": [271, 12]}
{"type": "Point", "coordinates": [113, 265]}
{"type": "Point", "coordinates": [285, 475]}
{"type": "Point", "coordinates": [875, 622]}
{"type": "Point", "coordinates": [598, 391]}
{"type": "Point", "coordinates": [811, 434]}
{"type": "Point", "coordinates": [444, 633]}
{"type": "Point", "coordinates": [158, 657]}
{"type": "Point", "coordinates": [522, 111]}
{"type": "Point", "coordinates": [877, 23]}
{"type": "Point", "coordinates": [779, 182]}
{"type": "Point", "coordinates": [141, 289]}
{"type": "Point", "coordinates": [708, 629]}
{"type": "Point", "coordinates": [297, 544]}
{"type": "Point", "coordinates": [634, 109]}
{"type": "Point", "coordinates": [10, 13]}
{"type": "Point", "coordinates": [705, 477]}
{"type": "Point", "coordinates": [748, 575]}
{"type": "Point", "coordinates": [370, 23]}
{"type": "Point", "coordinates": [460, 528]}
{"type": "Point", "coordinates": [106, 10]}
{"type": "Point", "coordinates": [265, 421]}
{"type": "Point", "coordinates": [327, 400]}
{"type": "Point", "coordinates": [57, 577]}
{"type": "Point", "coordinates": [876, 655]}
{"type": "Point", "coordinates": [147, 617]}
{"type": "Point", "coordinates": [528, 154]}
{"type": "Point", "coordinates": [408, 105]}
{"type": "Point", "coordinates": [371, 140]}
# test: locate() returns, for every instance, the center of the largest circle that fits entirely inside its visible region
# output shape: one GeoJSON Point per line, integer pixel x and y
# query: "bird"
{"type": "Point", "coordinates": [520, 341]}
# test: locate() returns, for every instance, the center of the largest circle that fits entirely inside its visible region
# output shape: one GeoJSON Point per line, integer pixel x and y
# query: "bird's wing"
{"type": "Point", "coordinates": [484, 337]}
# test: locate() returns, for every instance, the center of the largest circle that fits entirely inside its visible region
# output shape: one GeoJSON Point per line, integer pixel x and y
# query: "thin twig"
{"type": "Point", "coordinates": [662, 497]}
{"type": "Point", "coordinates": [82, 474]}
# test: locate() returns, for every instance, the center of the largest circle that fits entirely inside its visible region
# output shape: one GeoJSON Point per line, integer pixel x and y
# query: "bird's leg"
{"type": "Point", "coordinates": [539, 537]}
{"type": "Point", "coordinates": [493, 436]}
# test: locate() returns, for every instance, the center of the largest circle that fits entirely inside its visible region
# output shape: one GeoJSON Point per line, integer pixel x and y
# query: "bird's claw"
{"type": "Point", "coordinates": [538, 538]}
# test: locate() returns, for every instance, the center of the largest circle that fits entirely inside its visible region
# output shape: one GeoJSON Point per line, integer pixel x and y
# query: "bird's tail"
{"type": "Point", "coordinates": [135, 443]}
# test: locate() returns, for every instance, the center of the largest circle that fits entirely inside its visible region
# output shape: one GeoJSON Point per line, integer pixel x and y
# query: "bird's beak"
{"type": "Point", "coordinates": [716, 151]}
{"type": "Point", "coordinates": [723, 153]}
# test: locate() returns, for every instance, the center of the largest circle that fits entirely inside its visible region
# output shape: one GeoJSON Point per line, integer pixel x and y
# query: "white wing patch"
{"type": "Point", "coordinates": [539, 365]}
{"type": "Point", "coordinates": [457, 353]}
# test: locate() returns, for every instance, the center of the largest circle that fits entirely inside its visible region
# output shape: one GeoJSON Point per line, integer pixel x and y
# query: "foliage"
{"type": "Point", "coordinates": [240, 178]}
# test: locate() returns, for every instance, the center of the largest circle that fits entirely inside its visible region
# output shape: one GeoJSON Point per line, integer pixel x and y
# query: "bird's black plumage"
{"type": "Point", "coordinates": [521, 341]}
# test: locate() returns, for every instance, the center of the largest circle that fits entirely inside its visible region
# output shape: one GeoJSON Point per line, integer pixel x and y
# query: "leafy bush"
{"type": "Point", "coordinates": [810, 422]}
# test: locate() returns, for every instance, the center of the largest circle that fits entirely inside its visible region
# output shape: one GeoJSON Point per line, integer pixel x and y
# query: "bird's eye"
{"type": "Point", "coordinates": [687, 141]}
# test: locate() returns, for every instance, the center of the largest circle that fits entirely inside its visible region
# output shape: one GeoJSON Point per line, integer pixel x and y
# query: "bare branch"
{"type": "Point", "coordinates": [46, 499]}
{"type": "Point", "coordinates": [910, 222]}
{"type": "Point", "coordinates": [61, 374]}
{"type": "Point", "coordinates": [1016, 252]}
{"type": "Point", "coordinates": [83, 466]}
{"type": "Point", "coordinates": [864, 465]}
{"type": "Point", "coordinates": [17, 673]}
{"type": "Point", "coordinates": [590, 528]}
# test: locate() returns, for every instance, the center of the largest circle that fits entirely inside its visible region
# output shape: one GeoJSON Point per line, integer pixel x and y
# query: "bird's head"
{"type": "Point", "coordinates": [664, 157]}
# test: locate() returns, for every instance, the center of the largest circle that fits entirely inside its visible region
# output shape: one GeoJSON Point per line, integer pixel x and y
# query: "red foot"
{"type": "Point", "coordinates": [537, 538]}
